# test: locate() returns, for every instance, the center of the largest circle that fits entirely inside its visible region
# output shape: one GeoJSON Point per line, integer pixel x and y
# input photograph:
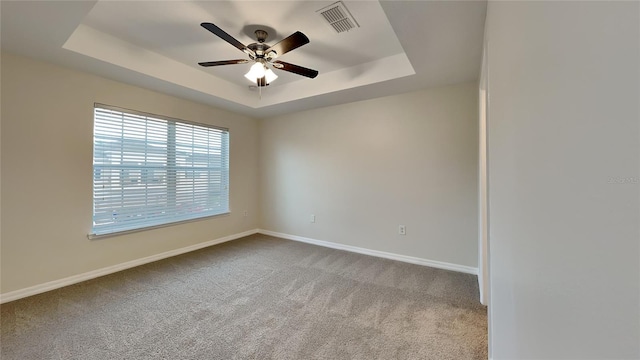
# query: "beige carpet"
{"type": "Point", "coordinates": [255, 298]}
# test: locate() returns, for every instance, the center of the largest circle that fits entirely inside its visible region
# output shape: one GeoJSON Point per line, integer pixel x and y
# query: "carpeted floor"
{"type": "Point", "coordinates": [255, 298]}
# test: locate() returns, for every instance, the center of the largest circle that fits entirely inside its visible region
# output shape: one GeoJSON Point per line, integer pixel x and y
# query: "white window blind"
{"type": "Point", "coordinates": [149, 170]}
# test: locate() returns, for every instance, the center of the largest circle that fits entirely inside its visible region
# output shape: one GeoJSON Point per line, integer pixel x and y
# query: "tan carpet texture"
{"type": "Point", "coordinates": [258, 297]}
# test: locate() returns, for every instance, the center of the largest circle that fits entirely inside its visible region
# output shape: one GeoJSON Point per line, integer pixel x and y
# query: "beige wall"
{"type": "Point", "coordinates": [364, 168]}
{"type": "Point", "coordinates": [564, 179]}
{"type": "Point", "coordinates": [47, 132]}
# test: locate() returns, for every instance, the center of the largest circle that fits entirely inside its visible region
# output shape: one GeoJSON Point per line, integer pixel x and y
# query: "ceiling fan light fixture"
{"type": "Point", "coordinates": [257, 71]}
{"type": "Point", "coordinates": [270, 76]}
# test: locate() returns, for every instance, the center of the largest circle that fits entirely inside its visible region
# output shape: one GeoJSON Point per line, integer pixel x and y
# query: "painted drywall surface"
{"type": "Point", "coordinates": [47, 132]}
{"type": "Point", "coordinates": [365, 168]}
{"type": "Point", "coordinates": [564, 156]}
{"type": "Point", "coordinates": [483, 206]}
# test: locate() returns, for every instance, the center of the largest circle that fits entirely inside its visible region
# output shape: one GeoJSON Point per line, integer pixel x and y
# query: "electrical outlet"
{"type": "Point", "coordinates": [402, 230]}
{"type": "Point", "coordinates": [246, 213]}
{"type": "Point", "coordinates": [313, 218]}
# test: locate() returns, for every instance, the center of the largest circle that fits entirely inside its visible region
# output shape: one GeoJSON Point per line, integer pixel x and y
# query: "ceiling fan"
{"type": "Point", "coordinates": [263, 55]}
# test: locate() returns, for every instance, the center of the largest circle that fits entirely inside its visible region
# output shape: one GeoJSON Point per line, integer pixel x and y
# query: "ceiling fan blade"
{"type": "Point", "coordinates": [226, 37]}
{"type": "Point", "coordinates": [289, 43]}
{"type": "Point", "coordinates": [296, 69]}
{"type": "Point", "coordinates": [223, 62]}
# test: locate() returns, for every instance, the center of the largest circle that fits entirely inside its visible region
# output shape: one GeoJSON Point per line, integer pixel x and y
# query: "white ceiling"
{"type": "Point", "coordinates": [400, 46]}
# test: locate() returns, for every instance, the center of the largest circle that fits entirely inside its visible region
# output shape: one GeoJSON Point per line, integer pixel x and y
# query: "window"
{"type": "Point", "coordinates": [149, 170]}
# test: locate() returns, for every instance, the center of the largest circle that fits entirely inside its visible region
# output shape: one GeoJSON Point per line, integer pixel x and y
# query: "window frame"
{"type": "Point", "coordinates": [225, 160]}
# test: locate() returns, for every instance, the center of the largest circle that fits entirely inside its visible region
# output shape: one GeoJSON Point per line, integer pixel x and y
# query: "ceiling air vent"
{"type": "Point", "coordinates": [339, 17]}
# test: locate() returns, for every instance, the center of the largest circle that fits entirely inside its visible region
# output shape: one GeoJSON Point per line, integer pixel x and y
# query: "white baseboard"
{"type": "Point", "coordinates": [381, 254]}
{"type": "Point", "coordinates": [56, 284]}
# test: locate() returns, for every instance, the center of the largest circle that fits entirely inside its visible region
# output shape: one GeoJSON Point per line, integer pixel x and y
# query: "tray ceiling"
{"type": "Point", "coordinates": [157, 44]}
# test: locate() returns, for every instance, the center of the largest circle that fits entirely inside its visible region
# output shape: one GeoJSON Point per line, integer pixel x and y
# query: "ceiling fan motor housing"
{"type": "Point", "coordinates": [261, 35]}
{"type": "Point", "coordinates": [258, 49]}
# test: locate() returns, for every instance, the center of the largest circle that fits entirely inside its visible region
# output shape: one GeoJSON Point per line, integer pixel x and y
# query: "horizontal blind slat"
{"type": "Point", "coordinates": [151, 171]}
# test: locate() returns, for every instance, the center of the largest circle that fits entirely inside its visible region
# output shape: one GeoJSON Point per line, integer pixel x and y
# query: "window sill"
{"type": "Point", "coordinates": [124, 232]}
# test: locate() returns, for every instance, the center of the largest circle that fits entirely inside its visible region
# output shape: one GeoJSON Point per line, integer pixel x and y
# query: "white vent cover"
{"type": "Point", "coordinates": [339, 17]}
